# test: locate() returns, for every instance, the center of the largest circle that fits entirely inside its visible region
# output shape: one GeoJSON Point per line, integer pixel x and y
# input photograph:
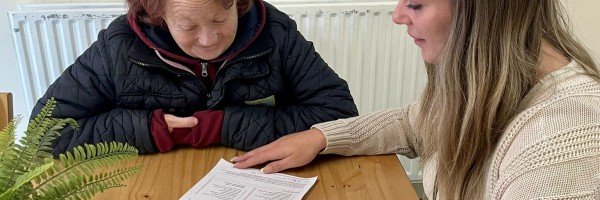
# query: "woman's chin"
{"type": "Point", "coordinates": [429, 60]}
{"type": "Point", "coordinates": [207, 54]}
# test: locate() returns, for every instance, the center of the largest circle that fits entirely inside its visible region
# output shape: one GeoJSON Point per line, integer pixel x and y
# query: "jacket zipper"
{"type": "Point", "coordinates": [138, 62]}
{"type": "Point", "coordinates": [204, 69]}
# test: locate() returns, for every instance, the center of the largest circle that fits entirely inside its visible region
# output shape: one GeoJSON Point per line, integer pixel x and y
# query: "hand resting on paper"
{"type": "Point", "coordinates": [290, 151]}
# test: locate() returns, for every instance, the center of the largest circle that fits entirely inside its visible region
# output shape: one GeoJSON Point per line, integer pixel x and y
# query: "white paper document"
{"type": "Point", "coordinates": [224, 182]}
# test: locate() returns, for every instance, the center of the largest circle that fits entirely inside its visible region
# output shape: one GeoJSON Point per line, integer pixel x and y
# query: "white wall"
{"type": "Point", "coordinates": [585, 16]}
{"type": "Point", "coordinates": [8, 63]}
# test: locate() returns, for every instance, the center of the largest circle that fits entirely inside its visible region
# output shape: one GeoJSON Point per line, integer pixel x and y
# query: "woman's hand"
{"type": "Point", "coordinates": [180, 122]}
{"type": "Point", "coordinates": [290, 151]}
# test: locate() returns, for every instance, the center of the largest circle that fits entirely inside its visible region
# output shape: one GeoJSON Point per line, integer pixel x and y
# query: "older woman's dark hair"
{"type": "Point", "coordinates": [150, 11]}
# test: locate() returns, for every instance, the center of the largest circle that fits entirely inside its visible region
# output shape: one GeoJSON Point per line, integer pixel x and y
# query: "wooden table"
{"type": "Point", "coordinates": [170, 175]}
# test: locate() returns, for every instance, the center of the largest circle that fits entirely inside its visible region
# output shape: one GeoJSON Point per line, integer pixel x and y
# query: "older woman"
{"type": "Point", "coordinates": [510, 110]}
{"type": "Point", "coordinates": [197, 73]}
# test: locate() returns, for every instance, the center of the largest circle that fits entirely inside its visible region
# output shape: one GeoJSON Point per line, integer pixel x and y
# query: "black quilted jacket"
{"type": "Point", "coordinates": [114, 86]}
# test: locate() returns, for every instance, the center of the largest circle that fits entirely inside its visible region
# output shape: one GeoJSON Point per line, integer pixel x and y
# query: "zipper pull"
{"type": "Point", "coordinates": [204, 69]}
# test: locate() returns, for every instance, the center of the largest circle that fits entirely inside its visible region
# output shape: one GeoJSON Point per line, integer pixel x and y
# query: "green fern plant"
{"type": "Point", "coordinates": [29, 171]}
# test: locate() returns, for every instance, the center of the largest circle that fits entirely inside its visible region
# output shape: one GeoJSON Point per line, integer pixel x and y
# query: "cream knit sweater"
{"type": "Point", "coordinates": [551, 150]}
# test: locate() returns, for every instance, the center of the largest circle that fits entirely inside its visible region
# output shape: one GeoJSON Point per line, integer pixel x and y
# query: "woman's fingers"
{"type": "Point", "coordinates": [281, 160]}
{"type": "Point", "coordinates": [290, 151]}
{"type": "Point", "coordinates": [279, 165]}
{"type": "Point", "coordinates": [180, 122]}
{"type": "Point", "coordinates": [259, 156]}
{"type": "Point", "coordinates": [244, 157]}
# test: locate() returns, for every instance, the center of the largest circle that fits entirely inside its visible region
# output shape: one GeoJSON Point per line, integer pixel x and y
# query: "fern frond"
{"type": "Point", "coordinates": [84, 161]}
{"type": "Point", "coordinates": [6, 178]}
{"type": "Point", "coordinates": [24, 179]}
{"type": "Point", "coordinates": [84, 187]}
{"type": "Point", "coordinates": [35, 146]}
{"type": "Point", "coordinates": [37, 123]}
{"type": "Point", "coordinates": [7, 137]}
{"type": "Point", "coordinates": [8, 152]}
{"type": "Point", "coordinates": [104, 181]}
{"type": "Point", "coordinates": [45, 113]}
{"type": "Point", "coordinates": [44, 147]}
{"type": "Point", "coordinates": [26, 154]}
{"type": "Point", "coordinates": [20, 193]}
{"type": "Point", "coordinates": [28, 170]}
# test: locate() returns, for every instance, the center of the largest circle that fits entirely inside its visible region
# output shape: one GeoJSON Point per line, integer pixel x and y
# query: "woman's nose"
{"type": "Point", "coordinates": [401, 14]}
{"type": "Point", "coordinates": [207, 37]}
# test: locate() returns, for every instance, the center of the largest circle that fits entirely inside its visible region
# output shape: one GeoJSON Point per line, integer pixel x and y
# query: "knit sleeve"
{"type": "Point", "coordinates": [383, 132]}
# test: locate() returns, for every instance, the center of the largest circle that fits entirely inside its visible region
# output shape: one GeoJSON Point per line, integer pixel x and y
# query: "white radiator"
{"type": "Point", "coordinates": [358, 40]}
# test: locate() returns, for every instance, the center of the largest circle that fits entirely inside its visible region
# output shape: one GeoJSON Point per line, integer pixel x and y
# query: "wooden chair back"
{"type": "Point", "coordinates": [6, 109]}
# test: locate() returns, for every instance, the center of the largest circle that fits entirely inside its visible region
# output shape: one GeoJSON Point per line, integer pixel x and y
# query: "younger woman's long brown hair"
{"type": "Point", "coordinates": [487, 66]}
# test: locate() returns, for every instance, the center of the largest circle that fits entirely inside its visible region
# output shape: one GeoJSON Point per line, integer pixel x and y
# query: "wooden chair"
{"type": "Point", "coordinates": [6, 109]}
